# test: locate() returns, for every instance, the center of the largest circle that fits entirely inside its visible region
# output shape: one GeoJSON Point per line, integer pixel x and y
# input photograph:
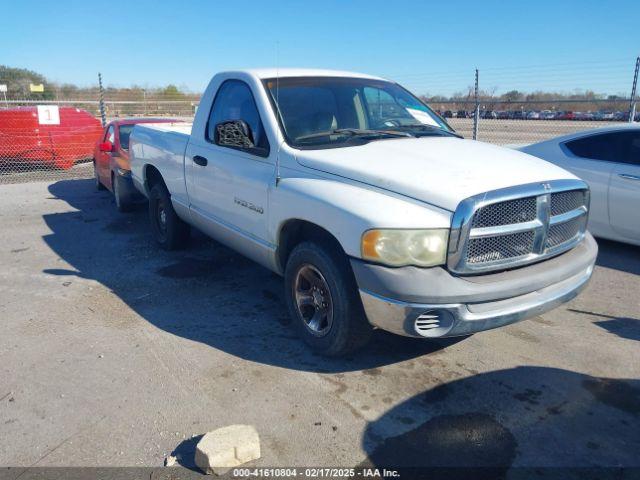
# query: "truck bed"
{"type": "Point", "coordinates": [163, 146]}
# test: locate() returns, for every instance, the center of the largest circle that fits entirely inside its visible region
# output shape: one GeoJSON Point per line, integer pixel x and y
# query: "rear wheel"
{"type": "Point", "coordinates": [168, 229]}
{"type": "Point", "coordinates": [323, 300]}
{"type": "Point", "coordinates": [123, 200]}
{"type": "Point", "coordinates": [98, 183]}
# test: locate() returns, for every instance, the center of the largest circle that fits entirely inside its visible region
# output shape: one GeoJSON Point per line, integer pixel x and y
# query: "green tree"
{"type": "Point", "coordinates": [172, 92]}
{"type": "Point", "coordinates": [18, 81]}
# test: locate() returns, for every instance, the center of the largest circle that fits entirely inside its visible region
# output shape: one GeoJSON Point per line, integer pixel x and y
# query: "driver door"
{"type": "Point", "coordinates": [624, 186]}
{"type": "Point", "coordinates": [231, 182]}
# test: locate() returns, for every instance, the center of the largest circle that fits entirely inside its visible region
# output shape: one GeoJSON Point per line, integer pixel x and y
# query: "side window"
{"type": "Point", "coordinates": [110, 135]}
{"type": "Point", "coordinates": [125, 133]}
{"type": "Point", "coordinates": [605, 147]}
{"type": "Point", "coordinates": [234, 101]}
{"type": "Point", "coordinates": [631, 148]}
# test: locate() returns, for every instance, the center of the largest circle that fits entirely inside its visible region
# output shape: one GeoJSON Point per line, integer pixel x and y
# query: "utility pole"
{"type": "Point", "coordinates": [103, 115]}
{"type": "Point", "coordinates": [476, 113]}
{"type": "Point", "coordinates": [144, 100]}
{"type": "Point", "coordinates": [632, 104]}
{"type": "Point", "coordinates": [3, 89]}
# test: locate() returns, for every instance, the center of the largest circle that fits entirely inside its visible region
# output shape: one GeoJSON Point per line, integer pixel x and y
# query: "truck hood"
{"type": "Point", "coordinates": [441, 171]}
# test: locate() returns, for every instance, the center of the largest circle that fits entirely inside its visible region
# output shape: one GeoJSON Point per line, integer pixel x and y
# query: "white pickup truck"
{"type": "Point", "coordinates": [373, 209]}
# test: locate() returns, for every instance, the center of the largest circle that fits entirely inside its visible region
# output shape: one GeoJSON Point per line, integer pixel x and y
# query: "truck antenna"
{"type": "Point", "coordinates": [278, 111]}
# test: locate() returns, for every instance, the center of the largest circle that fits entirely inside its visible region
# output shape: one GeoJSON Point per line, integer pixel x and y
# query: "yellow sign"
{"type": "Point", "coordinates": [36, 88]}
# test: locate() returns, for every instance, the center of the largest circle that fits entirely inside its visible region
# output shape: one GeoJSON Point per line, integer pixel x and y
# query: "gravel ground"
{"type": "Point", "coordinates": [114, 353]}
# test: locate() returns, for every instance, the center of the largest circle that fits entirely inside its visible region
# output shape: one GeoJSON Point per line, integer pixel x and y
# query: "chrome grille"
{"type": "Point", "coordinates": [505, 213]}
{"type": "Point", "coordinates": [563, 232]}
{"type": "Point", "coordinates": [518, 225]}
{"type": "Point", "coordinates": [564, 202]}
{"type": "Point", "coordinates": [491, 249]}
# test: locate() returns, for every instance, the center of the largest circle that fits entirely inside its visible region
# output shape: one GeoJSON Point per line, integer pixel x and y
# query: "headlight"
{"type": "Point", "coordinates": [423, 248]}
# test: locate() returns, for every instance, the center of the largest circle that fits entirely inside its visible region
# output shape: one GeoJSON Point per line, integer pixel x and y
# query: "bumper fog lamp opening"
{"type": "Point", "coordinates": [433, 323]}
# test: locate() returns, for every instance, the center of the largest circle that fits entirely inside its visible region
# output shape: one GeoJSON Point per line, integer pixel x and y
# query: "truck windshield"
{"type": "Point", "coordinates": [316, 112]}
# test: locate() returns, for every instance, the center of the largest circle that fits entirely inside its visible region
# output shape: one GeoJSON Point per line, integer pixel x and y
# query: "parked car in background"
{"type": "Point", "coordinates": [489, 115]}
{"type": "Point", "coordinates": [502, 115]}
{"type": "Point", "coordinates": [448, 114]}
{"type": "Point", "coordinates": [517, 115]}
{"type": "Point", "coordinates": [608, 159]}
{"type": "Point", "coordinates": [111, 160]}
{"type": "Point", "coordinates": [583, 116]}
{"type": "Point", "coordinates": [372, 208]}
{"type": "Point", "coordinates": [47, 135]}
{"type": "Point", "coordinates": [462, 114]}
{"type": "Point", "coordinates": [604, 116]}
{"type": "Point", "coordinates": [547, 115]}
{"type": "Point", "coordinates": [533, 115]}
{"type": "Point", "coordinates": [567, 115]}
{"type": "Point", "coordinates": [621, 116]}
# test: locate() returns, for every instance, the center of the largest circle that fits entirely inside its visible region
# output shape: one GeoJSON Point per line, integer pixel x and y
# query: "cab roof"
{"type": "Point", "coordinates": [263, 73]}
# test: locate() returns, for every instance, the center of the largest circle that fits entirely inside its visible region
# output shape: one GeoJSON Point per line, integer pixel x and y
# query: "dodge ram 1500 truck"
{"type": "Point", "coordinates": [373, 209]}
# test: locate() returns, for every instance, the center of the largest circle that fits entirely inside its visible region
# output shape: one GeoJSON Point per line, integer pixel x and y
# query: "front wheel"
{"type": "Point", "coordinates": [169, 231]}
{"type": "Point", "coordinates": [323, 300]}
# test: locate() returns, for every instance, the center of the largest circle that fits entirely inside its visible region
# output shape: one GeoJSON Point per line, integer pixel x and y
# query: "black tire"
{"type": "Point", "coordinates": [348, 328]}
{"type": "Point", "coordinates": [99, 185]}
{"type": "Point", "coordinates": [170, 232]}
{"type": "Point", "coordinates": [123, 200]}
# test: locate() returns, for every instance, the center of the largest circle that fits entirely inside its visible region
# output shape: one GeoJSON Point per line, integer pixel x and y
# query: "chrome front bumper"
{"type": "Point", "coordinates": [456, 319]}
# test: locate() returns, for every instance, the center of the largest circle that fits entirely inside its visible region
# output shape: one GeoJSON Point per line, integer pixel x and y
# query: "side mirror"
{"type": "Point", "coordinates": [234, 133]}
{"type": "Point", "coordinates": [106, 147]}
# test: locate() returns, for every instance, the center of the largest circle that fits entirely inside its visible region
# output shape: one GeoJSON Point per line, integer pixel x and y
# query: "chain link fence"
{"type": "Point", "coordinates": [509, 123]}
{"type": "Point", "coordinates": [55, 139]}
{"type": "Point", "coordinates": [44, 140]}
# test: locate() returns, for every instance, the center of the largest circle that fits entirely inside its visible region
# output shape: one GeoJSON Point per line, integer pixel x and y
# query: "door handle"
{"type": "Point", "coordinates": [200, 160]}
{"type": "Point", "coordinates": [628, 176]}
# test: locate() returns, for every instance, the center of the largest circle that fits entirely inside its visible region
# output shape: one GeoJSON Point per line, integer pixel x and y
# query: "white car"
{"type": "Point", "coordinates": [372, 208]}
{"type": "Point", "coordinates": [608, 159]}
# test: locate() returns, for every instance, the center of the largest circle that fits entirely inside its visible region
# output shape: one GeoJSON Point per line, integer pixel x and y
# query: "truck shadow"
{"type": "Point", "coordinates": [623, 327]}
{"type": "Point", "coordinates": [207, 293]}
{"type": "Point", "coordinates": [524, 417]}
{"type": "Point", "coordinates": [618, 256]}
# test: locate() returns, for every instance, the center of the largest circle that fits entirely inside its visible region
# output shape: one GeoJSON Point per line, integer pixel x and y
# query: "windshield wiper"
{"type": "Point", "coordinates": [356, 132]}
{"type": "Point", "coordinates": [428, 128]}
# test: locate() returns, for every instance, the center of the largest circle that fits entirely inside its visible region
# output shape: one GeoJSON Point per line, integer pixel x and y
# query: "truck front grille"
{"type": "Point", "coordinates": [516, 226]}
{"type": "Point", "coordinates": [564, 202]}
{"type": "Point", "coordinates": [506, 213]}
{"type": "Point", "coordinates": [492, 249]}
{"type": "Point", "coordinates": [564, 232]}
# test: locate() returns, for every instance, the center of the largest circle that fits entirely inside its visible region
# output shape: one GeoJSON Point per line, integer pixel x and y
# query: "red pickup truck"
{"type": "Point", "coordinates": [111, 160]}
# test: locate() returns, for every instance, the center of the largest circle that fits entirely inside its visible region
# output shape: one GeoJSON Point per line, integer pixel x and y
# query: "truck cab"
{"type": "Point", "coordinates": [374, 210]}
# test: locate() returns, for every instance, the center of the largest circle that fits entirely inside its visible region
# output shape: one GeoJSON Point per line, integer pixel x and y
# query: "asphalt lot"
{"type": "Point", "coordinates": [114, 353]}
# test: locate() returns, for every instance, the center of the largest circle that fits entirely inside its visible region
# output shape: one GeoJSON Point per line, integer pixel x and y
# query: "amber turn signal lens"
{"type": "Point", "coordinates": [369, 242]}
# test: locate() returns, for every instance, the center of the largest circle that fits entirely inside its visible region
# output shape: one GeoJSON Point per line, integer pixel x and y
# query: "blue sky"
{"type": "Point", "coordinates": [431, 47]}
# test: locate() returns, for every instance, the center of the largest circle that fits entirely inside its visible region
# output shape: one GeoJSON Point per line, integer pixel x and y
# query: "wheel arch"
{"type": "Point", "coordinates": [151, 176]}
{"type": "Point", "coordinates": [294, 231]}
